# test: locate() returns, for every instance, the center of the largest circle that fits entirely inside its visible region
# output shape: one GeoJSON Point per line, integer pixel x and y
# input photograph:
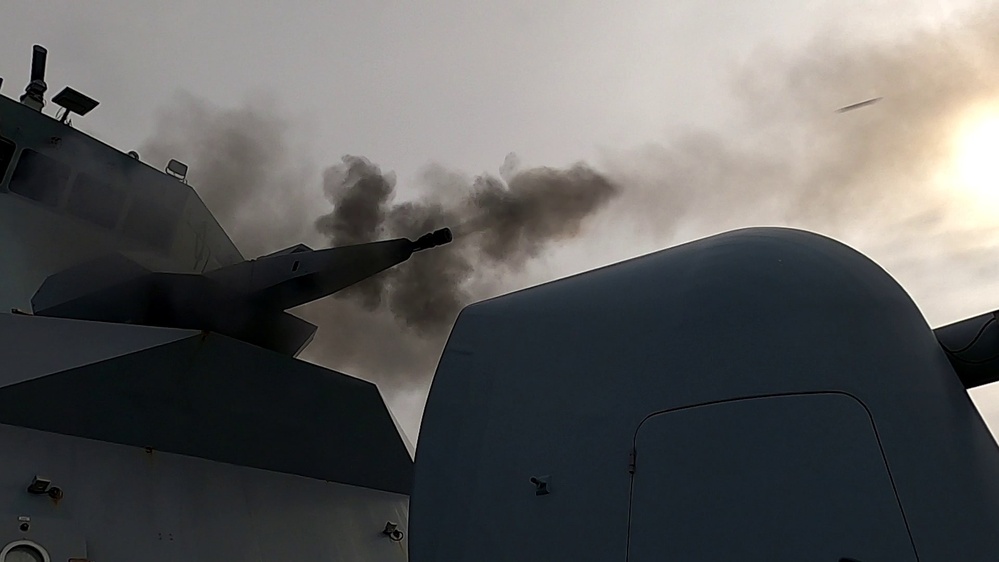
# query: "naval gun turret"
{"type": "Point", "coordinates": [246, 300]}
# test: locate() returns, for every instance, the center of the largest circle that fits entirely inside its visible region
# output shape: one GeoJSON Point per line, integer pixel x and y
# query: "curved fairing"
{"type": "Point", "coordinates": [765, 394]}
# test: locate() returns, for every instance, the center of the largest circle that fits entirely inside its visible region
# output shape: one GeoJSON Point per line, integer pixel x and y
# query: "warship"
{"type": "Point", "coordinates": [151, 403]}
{"type": "Point", "coordinates": [762, 394]}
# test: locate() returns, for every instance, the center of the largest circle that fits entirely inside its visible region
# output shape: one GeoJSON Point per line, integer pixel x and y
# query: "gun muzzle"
{"type": "Point", "coordinates": [432, 239]}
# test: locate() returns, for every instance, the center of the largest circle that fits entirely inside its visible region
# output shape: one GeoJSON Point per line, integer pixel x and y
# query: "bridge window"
{"type": "Point", "coordinates": [6, 156]}
{"type": "Point", "coordinates": [39, 177]}
{"type": "Point", "coordinates": [95, 200]}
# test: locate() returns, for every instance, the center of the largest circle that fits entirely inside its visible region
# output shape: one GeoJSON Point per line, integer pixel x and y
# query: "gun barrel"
{"type": "Point", "coordinates": [972, 346]}
{"type": "Point", "coordinates": [285, 280]}
{"type": "Point", "coordinates": [433, 239]}
{"type": "Point", "coordinates": [245, 300]}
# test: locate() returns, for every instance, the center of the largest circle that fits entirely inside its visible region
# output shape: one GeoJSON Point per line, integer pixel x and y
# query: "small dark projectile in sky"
{"type": "Point", "coordinates": [858, 105]}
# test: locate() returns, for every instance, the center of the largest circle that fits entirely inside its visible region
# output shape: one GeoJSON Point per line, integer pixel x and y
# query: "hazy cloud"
{"type": "Point", "coordinates": [497, 226]}
{"type": "Point", "coordinates": [243, 164]}
{"type": "Point", "coordinates": [882, 178]}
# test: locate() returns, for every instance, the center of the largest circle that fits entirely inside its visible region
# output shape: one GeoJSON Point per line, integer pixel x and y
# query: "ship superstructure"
{"type": "Point", "coordinates": [151, 406]}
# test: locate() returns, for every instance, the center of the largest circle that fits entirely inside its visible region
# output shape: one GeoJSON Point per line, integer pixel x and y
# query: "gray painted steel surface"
{"type": "Point", "coordinates": [554, 382]}
{"type": "Point", "coordinates": [162, 223]}
{"type": "Point", "coordinates": [798, 477]}
{"type": "Point", "coordinates": [124, 504]}
{"type": "Point", "coordinates": [167, 439]}
{"type": "Point", "coordinates": [972, 345]}
{"type": "Point", "coordinates": [200, 394]}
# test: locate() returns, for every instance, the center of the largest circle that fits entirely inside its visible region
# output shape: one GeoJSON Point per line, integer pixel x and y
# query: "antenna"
{"type": "Point", "coordinates": [73, 102]}
{"type": "Point", "coordinates": [34, 93]}
{"type": "Point", "coordinates": [38, 58]}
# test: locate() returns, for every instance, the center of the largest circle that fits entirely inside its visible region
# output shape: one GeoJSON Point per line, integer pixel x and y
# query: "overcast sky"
{"type": "Point", "coordinates": [407, 83]}
{"type": "Point", "coordinates": [717, 101]}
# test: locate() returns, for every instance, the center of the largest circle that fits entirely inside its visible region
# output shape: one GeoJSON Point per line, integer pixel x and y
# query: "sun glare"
{"type": "Point", "coordinates": [978, 157]}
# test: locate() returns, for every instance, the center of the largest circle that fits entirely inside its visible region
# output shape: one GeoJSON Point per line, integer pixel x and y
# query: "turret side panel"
{"type": "Point", "coordinates": [785, 478]}
{"type": "Point", "coordinates": [35, 346]}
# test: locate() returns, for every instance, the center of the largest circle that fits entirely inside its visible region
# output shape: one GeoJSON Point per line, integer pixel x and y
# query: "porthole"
{"type": "Point", "coordinates": [23, 551]}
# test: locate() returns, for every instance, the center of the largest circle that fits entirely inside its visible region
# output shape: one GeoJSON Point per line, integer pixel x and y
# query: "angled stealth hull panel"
{"type": "Point", "coordinates": [123, 504]}
{"type": "Point", "coordinates": [30, 343]}
{"type": "Point", "coordinates": [203, 395]}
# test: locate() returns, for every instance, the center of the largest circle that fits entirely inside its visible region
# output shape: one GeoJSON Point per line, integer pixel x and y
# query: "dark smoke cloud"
{"type": "Point", "coordinates": [243, 164]}
{"type": "Point", "coordinates": [360, 194]}
{"type": "Point", "coordinates": [540, 205]}
{"type": "Point", "coordinates": [498, 226]}
{"type": "Point", "coordinates": [880, 178]}
{"type": "Point", "coordinates": [391, 327]}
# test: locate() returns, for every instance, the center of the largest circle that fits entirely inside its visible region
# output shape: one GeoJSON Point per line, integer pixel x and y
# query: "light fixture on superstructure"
{"type": "Point", "coordinates": [177, 169]}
